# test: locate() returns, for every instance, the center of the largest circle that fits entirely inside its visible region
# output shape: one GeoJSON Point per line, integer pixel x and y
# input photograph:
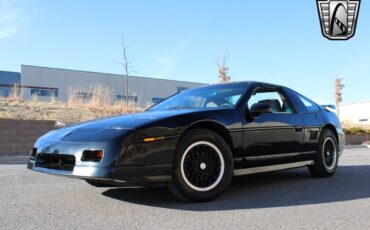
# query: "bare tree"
{"type": "Point", "coordinates": [223, 70]}
{"type": "Point", "coordinates": [127, 65]}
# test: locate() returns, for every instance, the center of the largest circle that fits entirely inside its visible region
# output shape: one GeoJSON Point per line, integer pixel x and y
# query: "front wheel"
{"type": "Point", "coordinates": [326, 159]}
{"type": "Point", "coordinates": [203, 166]}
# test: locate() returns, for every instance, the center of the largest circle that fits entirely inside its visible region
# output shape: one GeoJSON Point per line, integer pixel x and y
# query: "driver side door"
{"type": "Point", "coordinates": [271, 134]}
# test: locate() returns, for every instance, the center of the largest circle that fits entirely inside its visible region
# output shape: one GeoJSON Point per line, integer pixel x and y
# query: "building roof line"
{"type": "Point", "coordinates": [27, 86]}
{"type": "Point", "coordinates": [357, 102]}
{"type": "Point", "coordinates": [14, 72]}
{"type": "Point", "coordinates": [94, 72]}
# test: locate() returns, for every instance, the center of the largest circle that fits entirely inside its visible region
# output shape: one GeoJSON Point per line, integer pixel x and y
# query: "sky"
{"type": "Point", "coordinates": [271, 41]}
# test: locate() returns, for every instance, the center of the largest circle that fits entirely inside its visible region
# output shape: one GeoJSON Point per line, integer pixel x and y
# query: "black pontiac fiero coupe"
{"type": "Point", "coordinates": [197, 140]}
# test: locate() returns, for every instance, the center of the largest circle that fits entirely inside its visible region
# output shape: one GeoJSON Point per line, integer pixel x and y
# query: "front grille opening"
{"type": "Point", "coordinates": [56, 161]}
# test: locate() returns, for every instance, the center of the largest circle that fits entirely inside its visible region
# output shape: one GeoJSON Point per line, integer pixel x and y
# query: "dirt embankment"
{"type": "Point", "coordinates": [59, 111]}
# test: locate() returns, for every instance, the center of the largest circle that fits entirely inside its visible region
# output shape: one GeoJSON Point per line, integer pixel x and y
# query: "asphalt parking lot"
{"type": "Point", "coordinates": [280, 200]}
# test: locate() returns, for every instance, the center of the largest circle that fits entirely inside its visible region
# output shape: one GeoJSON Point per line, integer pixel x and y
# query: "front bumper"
{"type": "Point", "coordinates": [124, 159]}
{"type": "Point", "coordinates": [133, 174]}
{"type": "Point", "coordinates": [341, 139]}
{"type": "Point", "coordinates": [114, 167]}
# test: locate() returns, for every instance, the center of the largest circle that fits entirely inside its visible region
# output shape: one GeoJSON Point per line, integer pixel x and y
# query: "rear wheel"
{"type": "Point", "coordinates": [203, 166]}
{"type": "Point", "coordinates": [326, 159]}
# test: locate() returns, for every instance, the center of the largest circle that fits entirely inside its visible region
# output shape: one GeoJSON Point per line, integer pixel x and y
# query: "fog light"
{"type": "Point", "coordinates": [92, 155]}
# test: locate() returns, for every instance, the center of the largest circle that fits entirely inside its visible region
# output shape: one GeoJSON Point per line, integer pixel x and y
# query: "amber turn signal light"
{"type": "Point", "coordinates": [92, 155]}
{"type": "Point", "coordinates": [151, 139]}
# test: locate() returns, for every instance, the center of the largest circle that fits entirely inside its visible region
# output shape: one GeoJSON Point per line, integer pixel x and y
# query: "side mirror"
{"type": "Point", "coordinates": [258, 108]}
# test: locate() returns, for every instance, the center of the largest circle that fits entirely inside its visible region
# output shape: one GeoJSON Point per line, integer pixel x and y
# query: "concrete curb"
{"type": "Point", "coordinates": [355, 146]}
{"type": "Point", "coordinates": [20, 159]}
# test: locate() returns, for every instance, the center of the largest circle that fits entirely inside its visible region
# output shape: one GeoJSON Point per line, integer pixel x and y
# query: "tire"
{"type": "Point", "coordinates": [97, 183]}
{"type": "Point", "coordinates": [326, 158]}
{"type": "Point", "coordinates": [203, 166]}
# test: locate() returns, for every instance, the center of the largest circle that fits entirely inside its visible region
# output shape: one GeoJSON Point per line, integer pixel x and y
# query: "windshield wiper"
{"type": "Point", "coordinates": [180, 107]}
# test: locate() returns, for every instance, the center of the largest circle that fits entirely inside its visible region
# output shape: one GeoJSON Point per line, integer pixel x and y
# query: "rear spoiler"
{"type": "Point", "coordinates": [330, 108]}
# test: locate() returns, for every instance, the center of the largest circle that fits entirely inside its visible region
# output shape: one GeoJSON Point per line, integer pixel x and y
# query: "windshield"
{"type": "Point", "coordinates": [214, 96]}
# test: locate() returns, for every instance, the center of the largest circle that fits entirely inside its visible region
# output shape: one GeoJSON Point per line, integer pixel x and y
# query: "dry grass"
{"type": "Point", "coordinates": [348, 126]}
{"type": "Point", "coordinates": [76, 109]}
{"type": "Point", "coordinates": [100, 95]}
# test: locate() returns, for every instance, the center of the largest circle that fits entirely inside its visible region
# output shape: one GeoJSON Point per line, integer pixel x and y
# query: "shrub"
{"type": "Point", "coordinates": [355, 131]}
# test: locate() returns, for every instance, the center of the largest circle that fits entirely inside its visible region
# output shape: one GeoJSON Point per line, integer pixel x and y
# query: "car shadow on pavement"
{"type": "Point", "coordinates": [277, 189]}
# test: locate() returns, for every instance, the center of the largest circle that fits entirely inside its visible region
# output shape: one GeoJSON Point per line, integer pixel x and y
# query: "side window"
{"type": "Point", "coordinates": [310, 106]}
{"type": "Point", "coordinates": [233, 99]}
{"type": "Point", "coordinates": [271, 97]}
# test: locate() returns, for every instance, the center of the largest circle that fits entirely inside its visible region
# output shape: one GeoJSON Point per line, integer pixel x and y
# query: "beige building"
{"type": "Point", "coordinates": [355, 114]}
{"type": "Point", "coordinates": [45, 82]}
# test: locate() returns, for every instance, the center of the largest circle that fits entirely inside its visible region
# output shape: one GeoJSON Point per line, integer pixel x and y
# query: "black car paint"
{"type": "Point", "coordinates": [132, 159]}
{"type": "Point", "coordinates": [267, 134]}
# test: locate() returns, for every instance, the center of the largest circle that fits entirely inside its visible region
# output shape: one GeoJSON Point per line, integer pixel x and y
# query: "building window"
{"type": "Point", "coordinates": [84, 95]}
{"type": "Point", "coordinates": [157, 100]}
{"type": "Point", "coordinates": [5, 91]}
{"type": "Point", "coordinates": [130, 98]}
{"type": "Point", "coordinates": [44, 92]}
{"type": "Point", "coordinates": [180, 88]}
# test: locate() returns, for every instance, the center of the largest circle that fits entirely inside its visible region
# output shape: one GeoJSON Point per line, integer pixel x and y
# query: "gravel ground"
{"type": "Point", "coordinates": [280, 200]}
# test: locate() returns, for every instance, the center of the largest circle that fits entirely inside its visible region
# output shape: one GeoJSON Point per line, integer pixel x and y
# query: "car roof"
{"type": "Point", "coordinates": [242, 83]}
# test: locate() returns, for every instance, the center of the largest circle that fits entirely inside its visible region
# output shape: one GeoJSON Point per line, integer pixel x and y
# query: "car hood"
{"type": "Point", "coordinates": [130, 121]}
{"type": "Point", "coordinates": [110, 127]}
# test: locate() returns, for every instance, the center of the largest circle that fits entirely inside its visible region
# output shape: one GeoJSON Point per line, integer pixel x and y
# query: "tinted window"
{"type": "Point", "coordinates": [271, 97]}
{"type": "Point", "coordinates": [130, 98]}
{"type": "Point", "coordinates": [84, 95]}
{"type": "Point", "coordinates": [5, 91]}
{"type": "Point", "coordinates": [215, 96]}
{"type": "Point", "coordinates": [310, 106]}
{"type": "Point", "coordinates": [44, 92]}
{"type": "Point", "coordinates": [156, 100]}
